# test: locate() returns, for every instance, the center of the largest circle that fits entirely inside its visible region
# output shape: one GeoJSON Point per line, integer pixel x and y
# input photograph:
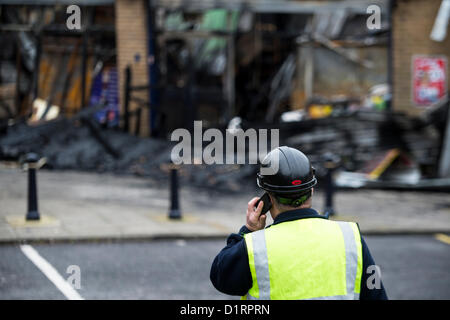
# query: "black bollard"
{"type": "Point", "coordinates": [329, 190]}
{"type": "Point", "coordinates": [174, 212]}
{"type": "Point", "coordinates": [33, 213]}
{"type": "Point", "coordinates": [331, 163]}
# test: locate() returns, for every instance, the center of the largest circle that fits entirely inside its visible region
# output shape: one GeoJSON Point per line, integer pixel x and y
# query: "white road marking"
{"type": "Point", "coordinates": [50, 272]}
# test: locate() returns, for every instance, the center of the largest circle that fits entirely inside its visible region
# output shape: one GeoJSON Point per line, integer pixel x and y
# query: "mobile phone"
{"type": "Point", "coordinates": [267, 204]}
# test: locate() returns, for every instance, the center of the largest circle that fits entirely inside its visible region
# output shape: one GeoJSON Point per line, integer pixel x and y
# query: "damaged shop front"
{"type": "Point", "coordinates": [108, 99]}
{"type": "Point", "coordinates": [259, 59]}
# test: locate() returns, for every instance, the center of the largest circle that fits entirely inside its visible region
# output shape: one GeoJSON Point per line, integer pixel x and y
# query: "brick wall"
{"type": "Point", "coordinates": [131, 44]}
{"type": "Point", "coordinates": [412, 22]}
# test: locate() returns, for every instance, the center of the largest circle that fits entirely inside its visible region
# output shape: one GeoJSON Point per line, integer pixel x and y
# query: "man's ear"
{"type": "Point", "coordinates": [273, 200]}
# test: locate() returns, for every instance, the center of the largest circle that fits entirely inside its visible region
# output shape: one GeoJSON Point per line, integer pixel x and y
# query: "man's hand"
{"type": "Point", "coordinates": [255, 221]}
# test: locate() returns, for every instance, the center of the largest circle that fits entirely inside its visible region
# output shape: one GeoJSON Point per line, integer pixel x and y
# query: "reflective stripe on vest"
{"type": "Point", "coordinates": [328, 264]}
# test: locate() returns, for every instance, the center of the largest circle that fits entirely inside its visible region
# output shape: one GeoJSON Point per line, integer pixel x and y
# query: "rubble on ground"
{"type": "Point", "coordinates": [365, 141]}
{"type": "Point", "coordinates": [70, 145]}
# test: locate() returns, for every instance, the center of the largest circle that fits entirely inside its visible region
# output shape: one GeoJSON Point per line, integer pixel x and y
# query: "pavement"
{"type": "Point", "coordinates": [77, 206]}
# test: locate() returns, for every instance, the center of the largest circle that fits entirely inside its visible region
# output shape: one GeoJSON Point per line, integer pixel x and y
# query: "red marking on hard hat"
{"type": "Point", "coordinates": [296, 182]}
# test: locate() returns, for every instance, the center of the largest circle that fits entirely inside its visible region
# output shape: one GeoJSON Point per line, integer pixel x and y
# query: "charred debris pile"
{"type": "Point", "coordinates": [371, 148]}
{"type": "Point", "coordinates": [80, 143]}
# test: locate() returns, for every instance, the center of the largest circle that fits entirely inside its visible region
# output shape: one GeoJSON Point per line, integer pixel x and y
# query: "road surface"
{"type": "Point", "coordinates": [413, 267]}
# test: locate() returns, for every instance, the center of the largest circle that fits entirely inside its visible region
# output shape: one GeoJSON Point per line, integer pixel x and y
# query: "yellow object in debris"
{"type": "Point", "coordinates": [381, 167]}
{"type": "Point", "coordinates": [320, 111]}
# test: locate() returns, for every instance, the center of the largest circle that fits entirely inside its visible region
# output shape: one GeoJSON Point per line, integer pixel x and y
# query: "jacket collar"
{"type": "Point", "coordinates": [297, 214]}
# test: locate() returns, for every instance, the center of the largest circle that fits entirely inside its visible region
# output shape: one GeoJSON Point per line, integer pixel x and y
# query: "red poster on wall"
{"type": "Point", "coordinates": [429, 80]}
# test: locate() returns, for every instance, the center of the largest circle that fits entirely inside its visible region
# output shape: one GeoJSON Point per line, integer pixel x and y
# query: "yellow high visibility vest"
{"type": "Point", "coordinates": [311, 258]}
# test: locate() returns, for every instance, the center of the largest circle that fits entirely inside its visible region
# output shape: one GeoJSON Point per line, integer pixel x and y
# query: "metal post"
{"type": "Point", "coordinates": [18, 101]}
{"type": "Point", "coordinates": [230, 80]}
{"type": "Point", "coordinates": [137, 129]}
{"type": "Point", "coordinates": [84, 58]}
{"type": "Point", "coordinates": [174, 212]}
{"type": "Point", "coordinates": [37, 61]}
{"type": "Point", "coordinates": [308, 81]}
{"type": "Point", "coordinates": [444, 161]}
{"type": "Point", "coordinates": [390, 62]}
{"type": "Point", "coordinates": [126, 107]}
{"type": "Point", "coordinates": [331, 162]}
{"type": "Point", "coordinates": [88, 12]}
{"type": "Point", "coordinates": [33, 213]}
{"type": "Point", "coordinates": [152, 72]}
{"type": "Point", "coordinates": [329, 190]}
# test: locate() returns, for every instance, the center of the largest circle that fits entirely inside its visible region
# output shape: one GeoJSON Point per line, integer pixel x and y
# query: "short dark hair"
{"type": "Point", "coordinates": [293, 200]}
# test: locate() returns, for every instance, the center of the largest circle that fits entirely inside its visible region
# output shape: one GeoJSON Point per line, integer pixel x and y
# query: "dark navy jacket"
{"type": "Point", "coordinates": [230, 271]}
